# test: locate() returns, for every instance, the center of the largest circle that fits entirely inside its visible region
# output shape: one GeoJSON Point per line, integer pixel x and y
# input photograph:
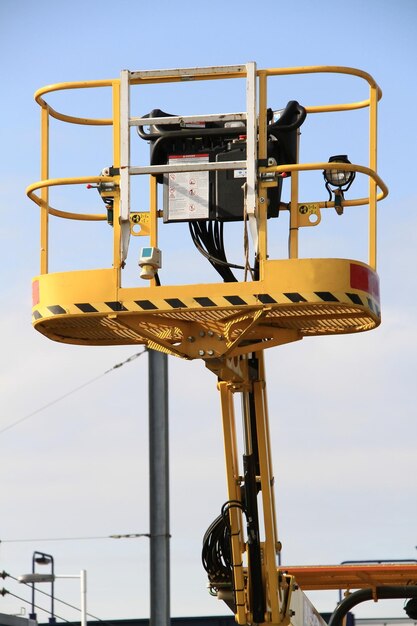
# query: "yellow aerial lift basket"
{"type": "Point", "coordinates": [279, 300]}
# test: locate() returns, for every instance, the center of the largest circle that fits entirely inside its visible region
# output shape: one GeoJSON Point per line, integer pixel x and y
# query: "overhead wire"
{"type": "Point", "coordinates": [4, 592]}
{"type": "Point", "coordinates": [45, 593]}
{"type": "Point", "coordinates": [127, 536]}
{"type": "Point", "coordinates": [69, 393]}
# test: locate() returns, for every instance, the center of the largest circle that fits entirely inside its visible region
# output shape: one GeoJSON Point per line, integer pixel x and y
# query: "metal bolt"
{"type": "Point", "coordinates": [202, 333]}
{"type": "Point", "coordinates": [210, 352]}
{"type": "Point", "coordinates": [201, 353]}
{"type": "Point", "coordinates": [191, 339]}
{"type": "Point", "coordinates": [220, 337]}
{"type": "Point", "coordinates": [261, 199]}
{"type": "Point", "coordinates": [210, 333]}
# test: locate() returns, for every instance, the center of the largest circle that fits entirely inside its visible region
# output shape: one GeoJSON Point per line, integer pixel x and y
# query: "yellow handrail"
{"type": "Point", "coordinates": [87, 84]}
{"type": "Point", "coordinates": [324, 69]}
{"type": "Point", "coordinates": [175, 76]}
{"type": "Point", "coordinates": [350, 167]}
{"type": "Point", "coordinates": [55, 182]}
{"type": "Point", "coordinates": [265, 72]}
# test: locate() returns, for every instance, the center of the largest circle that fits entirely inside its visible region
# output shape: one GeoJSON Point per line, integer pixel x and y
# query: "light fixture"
{"type": "Point", "coordinates": [34, 577]}
{"type": "Point", "coordinates": [411, 608]}
{"type": "Point", "coordinates": [44, 559]}
{"type": "Point", "coordinates": [340, 179]}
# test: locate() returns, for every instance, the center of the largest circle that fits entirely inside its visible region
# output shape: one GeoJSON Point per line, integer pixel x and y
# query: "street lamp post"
{"type": "Point", "coordinates": [41, 558]}
{"type": "Point", "coordinates": [50, 578]}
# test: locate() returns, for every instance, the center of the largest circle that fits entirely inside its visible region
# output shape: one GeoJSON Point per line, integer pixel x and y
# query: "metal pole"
{"type": "Point", "coordinates": [32, 615]}
{"type": "Point", "coordinates": [159, 489]}
{"type": "Point", "coordinates": [52, 619]}
{"type": "Point", "coordinates": [83, 584]}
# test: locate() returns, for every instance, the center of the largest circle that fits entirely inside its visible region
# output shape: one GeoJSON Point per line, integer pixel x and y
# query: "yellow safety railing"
{"type": "Point", "coordinates": [43, 186]}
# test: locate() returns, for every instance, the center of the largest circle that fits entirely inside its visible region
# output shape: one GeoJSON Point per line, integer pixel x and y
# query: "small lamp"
{"type": "Point", "coordinates": [340, 179]}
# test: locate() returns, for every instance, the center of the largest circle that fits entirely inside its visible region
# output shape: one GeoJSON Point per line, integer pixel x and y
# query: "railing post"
{"type": "Point", "coordinates": [293, 235]}
{"type": "Point", "coordinates": [44, 190]}
{"type": "Point", "coordinates": [122, 240]}
{"type": "Point", "coordinates": [373, 122]}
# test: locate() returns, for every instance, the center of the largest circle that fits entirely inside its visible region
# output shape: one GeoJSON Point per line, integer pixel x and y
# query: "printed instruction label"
{"type": "Point", "coordinates": [188, 192]}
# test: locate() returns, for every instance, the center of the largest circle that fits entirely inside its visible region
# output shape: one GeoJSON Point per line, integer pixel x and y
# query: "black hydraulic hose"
{"type": "Point", "coordinates": [293, 109]}
{"type": "Point", "coordinates": [227, 131]}
{"type": "Point", "coordinates": [251, 488]}
{"type": "Point", "coordinates": [253, 363]}
{"type": "Point", "coordinates": [216, 552]}
{"type": "Point", "coordinates": [381, 593]}
{"type": "Point", "coordinates": [257, 594]}
{"type": "Point", "coordinates": [286, 123]}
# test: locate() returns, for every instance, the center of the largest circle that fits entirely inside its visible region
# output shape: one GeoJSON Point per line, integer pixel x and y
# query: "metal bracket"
{"type": "Point", "coordinates": [140, 224]}
{"type": "Point", "coordinates": [309, 214]}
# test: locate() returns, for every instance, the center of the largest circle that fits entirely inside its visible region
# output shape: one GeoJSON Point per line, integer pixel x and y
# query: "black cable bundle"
{"type": "Point", "coordinates": [208, 239]}
{"type": "Point", "coordinates": [216, 552]}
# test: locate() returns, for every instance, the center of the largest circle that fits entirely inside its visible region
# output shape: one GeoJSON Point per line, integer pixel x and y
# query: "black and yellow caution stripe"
{"type": "Point", "coordinates": [222, 302]}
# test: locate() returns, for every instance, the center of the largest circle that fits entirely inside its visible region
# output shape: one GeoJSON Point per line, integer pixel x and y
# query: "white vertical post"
{"type": "Point", "coordinates": [251, 151]}
{"type": "Point", "coordinates": [124, 163]}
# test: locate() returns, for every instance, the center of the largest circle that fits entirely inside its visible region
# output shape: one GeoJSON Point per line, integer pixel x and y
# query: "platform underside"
{"type": "Point", "coordinates": [232, 326]}
{"type": "Point", "coordinates": [296, 299]}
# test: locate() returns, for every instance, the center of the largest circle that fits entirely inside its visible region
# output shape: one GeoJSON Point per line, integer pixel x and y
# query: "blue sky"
{"type": "Point", "coordinates": [342, 409]}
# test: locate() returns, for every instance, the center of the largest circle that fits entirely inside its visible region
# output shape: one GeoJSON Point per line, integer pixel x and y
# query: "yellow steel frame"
{"type": "Point", "coordinates": [271, 546]}
{"type": "Point", "coordinates": [130, 324]}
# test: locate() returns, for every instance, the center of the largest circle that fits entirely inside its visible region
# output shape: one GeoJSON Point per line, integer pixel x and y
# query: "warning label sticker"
{"type": "Point", "coordinates": [188, 192]}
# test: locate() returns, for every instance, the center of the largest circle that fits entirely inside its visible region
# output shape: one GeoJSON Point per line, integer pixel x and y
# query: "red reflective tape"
{"type": "Point", "coordinates": [35, 292]}
{"type": "Point", "coordinates": [365, 279]}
